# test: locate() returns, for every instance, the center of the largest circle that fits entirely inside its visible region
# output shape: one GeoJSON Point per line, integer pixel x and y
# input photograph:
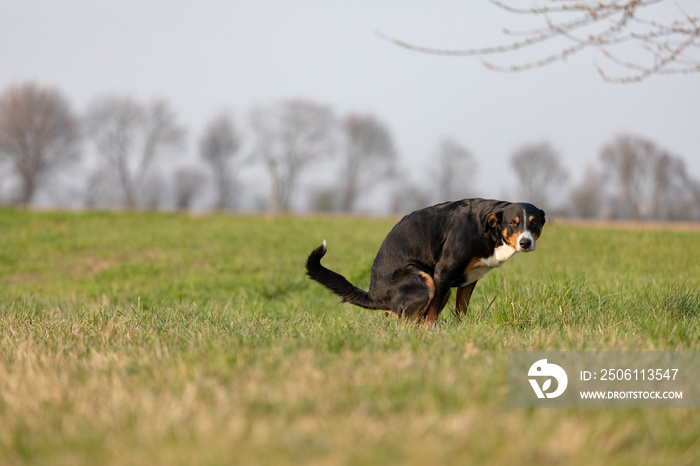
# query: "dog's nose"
{"type": "Point", "coordinates": [525, 243]}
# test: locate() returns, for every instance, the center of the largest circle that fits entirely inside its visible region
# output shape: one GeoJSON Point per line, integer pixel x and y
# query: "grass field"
{"type": "Point", "coordinates": [169, 339]}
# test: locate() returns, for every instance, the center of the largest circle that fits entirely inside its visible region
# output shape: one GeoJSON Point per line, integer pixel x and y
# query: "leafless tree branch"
{"type": "Point", "coordinates": [670, 46]}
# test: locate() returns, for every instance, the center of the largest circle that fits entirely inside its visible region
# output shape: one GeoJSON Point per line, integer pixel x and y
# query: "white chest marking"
{"type": "Point", "coordinates": [500, 255]}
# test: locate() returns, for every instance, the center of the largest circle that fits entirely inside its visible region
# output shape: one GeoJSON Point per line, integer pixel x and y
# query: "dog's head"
{"type": "Point", "coordinates": [518, 226]}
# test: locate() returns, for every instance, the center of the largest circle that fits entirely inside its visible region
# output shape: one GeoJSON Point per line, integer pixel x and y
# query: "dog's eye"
{"type": "Point", "coordinates": [533, 222]}
{"type": "Point", "coordinates": [514, 223]}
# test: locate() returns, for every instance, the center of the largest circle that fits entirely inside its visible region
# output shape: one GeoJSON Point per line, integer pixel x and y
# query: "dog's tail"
{"type": "Point", "coordinates": [335, 282]}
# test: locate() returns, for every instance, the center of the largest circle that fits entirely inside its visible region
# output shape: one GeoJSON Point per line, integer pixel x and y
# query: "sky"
{"type": "Point", "coordinates": [208, 56]}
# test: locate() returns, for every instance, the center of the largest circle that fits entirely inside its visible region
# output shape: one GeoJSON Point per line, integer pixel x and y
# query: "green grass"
{"type": "Point", "coordinates": [169, 339]}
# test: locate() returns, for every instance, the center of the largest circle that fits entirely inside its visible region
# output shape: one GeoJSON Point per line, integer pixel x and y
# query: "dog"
{"type": "Point", "coordinates": [435, 249]}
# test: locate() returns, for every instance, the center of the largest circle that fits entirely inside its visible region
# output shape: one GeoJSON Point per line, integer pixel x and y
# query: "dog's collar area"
{"type": "Point", "coordinates": [501, 254]}
{"type": "Point", "coordinates": [483, 266]}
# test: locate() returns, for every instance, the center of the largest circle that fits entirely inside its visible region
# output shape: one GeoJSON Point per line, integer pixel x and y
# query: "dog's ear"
{"type": "Point", "coordinates": [494, 219]}
{"type": "Point", "coordinates": [543, 217]}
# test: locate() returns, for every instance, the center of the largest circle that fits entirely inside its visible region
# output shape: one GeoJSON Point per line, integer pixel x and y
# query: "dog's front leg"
{"type": "Point", "coordinates": [464, 294]}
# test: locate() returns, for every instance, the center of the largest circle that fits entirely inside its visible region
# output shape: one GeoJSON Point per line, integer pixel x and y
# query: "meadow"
{"type": "Point", "coordinates": [151, 338]}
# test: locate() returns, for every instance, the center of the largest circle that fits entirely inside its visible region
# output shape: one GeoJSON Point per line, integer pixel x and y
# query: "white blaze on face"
{"type": "Point", "coordinates": [526, 235]}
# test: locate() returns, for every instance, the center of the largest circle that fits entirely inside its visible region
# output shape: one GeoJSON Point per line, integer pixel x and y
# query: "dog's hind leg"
{"type": "Point", "coordinates": [431, 312]}
{"type": "Point", "coordinates": [413, 295]}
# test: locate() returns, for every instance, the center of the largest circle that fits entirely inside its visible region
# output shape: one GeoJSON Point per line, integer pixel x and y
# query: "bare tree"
{"type": "Point", "coordinates": [668, 36]}
{"type": "Point", "coordinates": [456, 167]}
{"type": "Point", "coordinates": [539, 170]}
{"type": "Point", "coordinates": [587, 199]}
{"type": "Point", "coordinates": [130, 135]}
{"type": "Point", "coordinates": [288, 137]}
{"type": "Point", "coordinates": [153, 191]}
{"type": "Point", "coordinates": [188, 184]}
{"type": "Point", "coordinates": [629, 161]}
{"type": "Point", "coordinates": [369, 155]}
{"type": "Point", "coordinates": [38, 132]}
{"type": "Point", "coordinates": [651, 183]}
{"type": "Point", "coordinates": [102, 189]}
{"type": "Point", "coordinates": [218, 146]}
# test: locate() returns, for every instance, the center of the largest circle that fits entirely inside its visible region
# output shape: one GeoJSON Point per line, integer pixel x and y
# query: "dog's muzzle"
{"type": "Point", "coordinates": [526, 242]}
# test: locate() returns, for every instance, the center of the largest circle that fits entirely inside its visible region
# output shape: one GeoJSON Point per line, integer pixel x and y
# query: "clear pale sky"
{"type": "Point", "coordinates": [207, 56]}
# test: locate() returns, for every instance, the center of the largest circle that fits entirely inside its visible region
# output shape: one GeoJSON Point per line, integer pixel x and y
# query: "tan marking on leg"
{"type": "Point", "coordinates": [464, 294]}
{"type": "Point", "coordinates": [431, 316]}
{"type": "Point", "coordinates": [432, 310]}
{"type": "Point", "coordinates": [430, 283]}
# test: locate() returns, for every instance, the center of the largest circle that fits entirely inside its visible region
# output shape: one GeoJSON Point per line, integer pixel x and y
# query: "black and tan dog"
{"type": "Point", "coordinates": [433, 250]}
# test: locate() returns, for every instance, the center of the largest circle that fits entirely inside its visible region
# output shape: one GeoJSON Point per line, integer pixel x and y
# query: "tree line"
{"type": "Point", "coordinates": [41, 135]}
